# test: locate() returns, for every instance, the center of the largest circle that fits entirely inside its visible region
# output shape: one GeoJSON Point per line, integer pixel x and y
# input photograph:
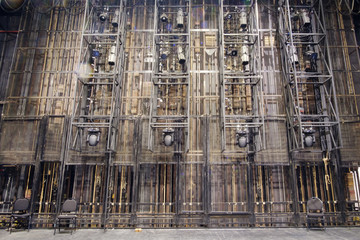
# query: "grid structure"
{"type": "Point", "coordinates": [241, 82]}
{"type": "Point", "coordinates": [310, 95]}
{"type": "Point", "coordinates": [96, 107]}
{"type": "Point", "coordinates": [169, 107]}
{"type": "Point", "coordinates": [142, 119]}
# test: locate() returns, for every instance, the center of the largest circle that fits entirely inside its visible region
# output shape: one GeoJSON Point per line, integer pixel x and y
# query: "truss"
{"type": "Point", "coordinates": [310, 96]}
{"type": "Point", "coordinates": [96, 105]}
{"type": "Point", "coordinates": [169, 108]}
{"type": "Point", "coordinates": [241, 82]}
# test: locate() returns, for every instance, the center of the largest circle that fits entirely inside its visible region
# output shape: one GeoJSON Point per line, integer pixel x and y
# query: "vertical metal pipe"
{"type": "Point", "coordinates": [38, 157]}
{"type": "Point", "coordinates": [63, 159]}
{"type": "Point", "coordinates": [106, 196]}
{"type": "Point", "coordinates": [136, 152]}
{"type": "Point", "coordinates": [20, 190]}
{"type": "Point", "coordinates": [294, 193]}
{"type": "Point", "coordinates": [206, 171]}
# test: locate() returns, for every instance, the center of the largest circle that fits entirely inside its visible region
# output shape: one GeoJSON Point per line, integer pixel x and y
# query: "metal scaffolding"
{"type": "Point", "coordinates": [93, 129]}
{"type": "Point", "coordinates": [169, 106]}
{"type": "Point", "coordinates": [310, 96]}
{"type": "Point", "coordinates": [167, 113]}
{"type": "Point", "coordinates": [242, 116]}
{"type": "Point", "coordinates": [313, 125]}
{"type": "Point", "coordinates": [97, 96]}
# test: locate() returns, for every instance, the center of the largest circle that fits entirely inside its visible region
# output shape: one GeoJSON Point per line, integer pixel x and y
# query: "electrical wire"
{"type": "Point", "coordinates": [272, 11]}
{"type": "Point", "coordinates": [47, 11]}
{"type": "Point", "coordinates": [12, 35]}
{"type": "Point", "coordinates": [73, 4]}
{"type": "Point", "coordinates": [69, 8]}
{"type": "Point", "coordinates": [135, 4]}
{"type": "Point", "coordinates": [8, 40]}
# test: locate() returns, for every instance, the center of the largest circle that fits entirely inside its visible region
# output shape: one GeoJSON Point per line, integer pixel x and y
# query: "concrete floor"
{"type": "Point", "coordinates": [198, 234]}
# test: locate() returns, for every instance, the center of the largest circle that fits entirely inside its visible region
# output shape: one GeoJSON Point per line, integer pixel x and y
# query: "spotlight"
{"type": "Point", "coordinates": [180, 18]}
{"type": "Point", "coordinates": [181, 55]}
{"type": "Point", "coordinates": [95, 54]}
{"type": "Point", "coordinates": [309, 137]}
{"type": "Point", "coordinates": [228, 15]}
{"type": "Point", "coordinates": [93, 136]}
{"type": "Point", "coordinates": [293, 54]}
{"type": "Point", "coordinates": [112, 56]}
{"type": "Point", "coordinates": [168, 136]}
{"type": "Point", "coordinates": [310, 51]}
{"type": "Point", "coordinates": [294, 15]}
{"type": "Point", "coordinates": [159, 102]}
{"type": "Point", "coordinates": [308, 140]}
{"type": "Point", "coordinates": [163, 17]}
{"type": "Point", "coordinates": [245, 54]}
{"type": "Point", "coordinates": [103, 16]}
{"type": "Point", "coordinates": [243, 19]}
{"type": "Point", "coordinates": [242, 138]}
{"type": "Point", "coordinates": [115, 19]}
{"type": "Point", "coordinates": [305, 18]}
{"type": "Point", "coordinates": [234, 53]}
{"type": "Point", "coordinates": [163, 53]}
{"type": "Point", "coordinates": [310, 62]}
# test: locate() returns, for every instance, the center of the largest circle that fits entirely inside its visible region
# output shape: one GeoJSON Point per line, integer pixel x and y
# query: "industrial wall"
{"type": "Point", "coordinates": [178, 113]}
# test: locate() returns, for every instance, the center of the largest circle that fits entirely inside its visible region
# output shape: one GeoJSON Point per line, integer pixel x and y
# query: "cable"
{"type": "Point", "coordinates": [73, 4]}
{"type": "Point", "coordinates": [274, 12]}
{"type": "Point", "coordinates": [135, 4]}
{"type": "Point", "coordinates": [9, 34]}
{"type": "Point", "coordinates": [36, 8]}
{"type": "Point", "coordinates": [12, 35]}
{"type": "Point", "coordinates": [69, 8]}
{"type": "Point", "coordinates": [8, 40]}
